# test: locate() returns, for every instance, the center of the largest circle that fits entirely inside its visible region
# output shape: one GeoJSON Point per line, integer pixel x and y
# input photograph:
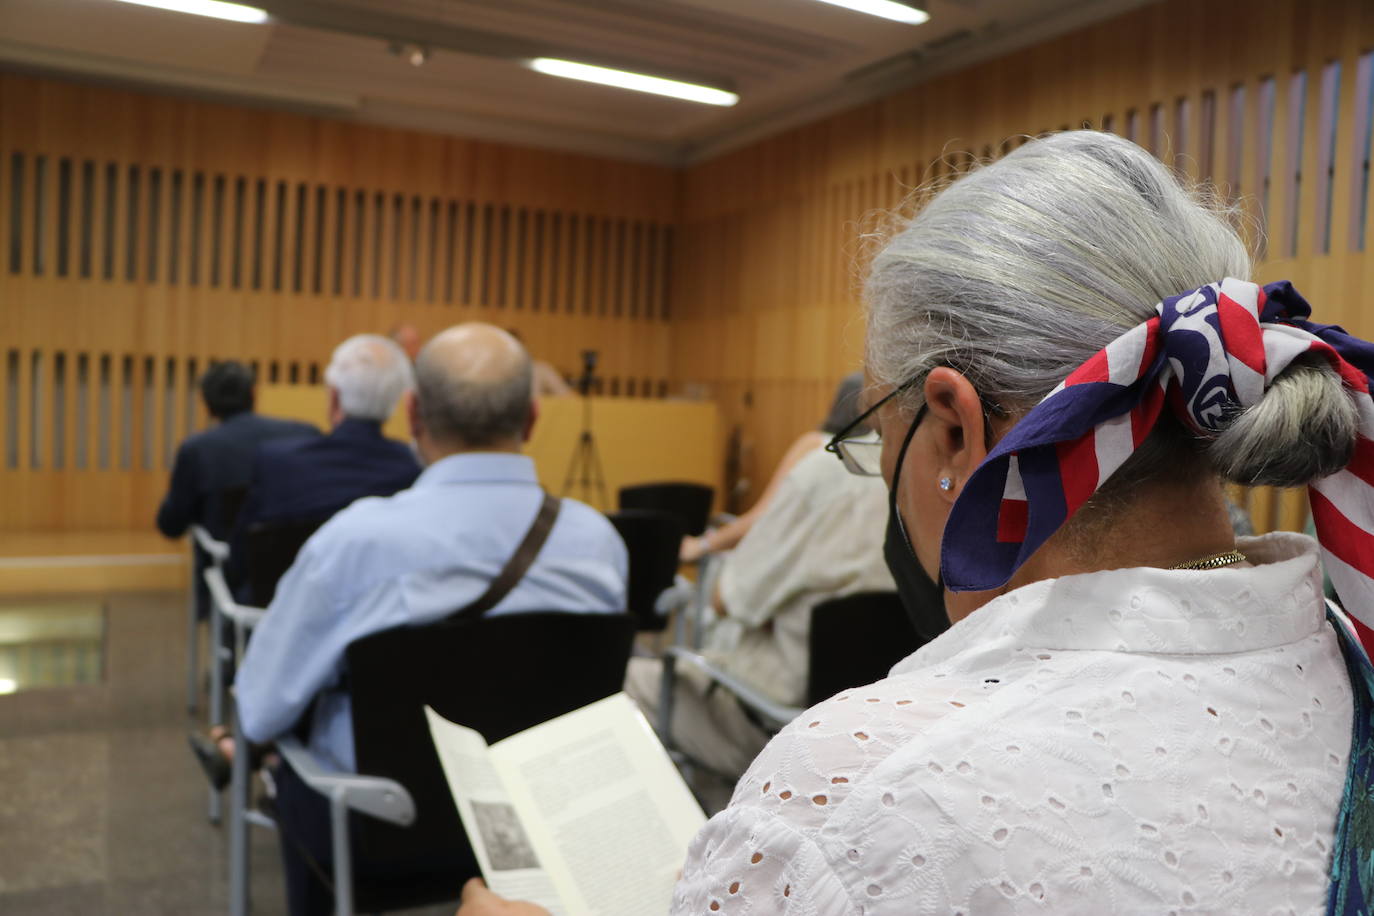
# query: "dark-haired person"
{"type": "Point", "coordinates": [1133, 710]}
{"type": "Point", "coordinates": [415, 558]}
{"type": "Point", "coordinates": [219, 458]}
{"type": "Point", "coordinates": [307, 480]}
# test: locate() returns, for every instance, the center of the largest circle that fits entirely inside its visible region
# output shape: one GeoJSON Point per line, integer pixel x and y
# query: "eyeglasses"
{"type": "Point", "coordinates": [861, 450]}
{"type": "Point", "coordinates": [858, 447]}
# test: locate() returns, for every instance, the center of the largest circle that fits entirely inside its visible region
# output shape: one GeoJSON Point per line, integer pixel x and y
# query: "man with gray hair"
{"type": "Point", "coordinates": [308, 480]}
{"type": "Point", "coordinates": [416, 558]}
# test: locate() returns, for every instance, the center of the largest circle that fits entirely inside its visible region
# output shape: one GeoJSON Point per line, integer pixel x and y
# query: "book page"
{"type": "Point", "coordinates": [509, 861]}
{"type": "Point", "coordinates": [605, 807]}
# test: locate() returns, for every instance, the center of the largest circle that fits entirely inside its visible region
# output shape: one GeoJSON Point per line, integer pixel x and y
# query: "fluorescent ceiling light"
{"type": "Point", "coordinates": [235, 12]}
{"type": "Point", "coordinates": [636, 81]}
{"type": "Point", "coordinates": [888, 9]}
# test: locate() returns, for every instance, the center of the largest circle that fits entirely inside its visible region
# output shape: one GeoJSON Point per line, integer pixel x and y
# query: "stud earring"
{"type": "Point", "coordinates": [946, 484]}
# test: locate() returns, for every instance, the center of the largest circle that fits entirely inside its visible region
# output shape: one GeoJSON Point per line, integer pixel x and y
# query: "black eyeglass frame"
{"type": "Point", "coordinates": [838, 443]}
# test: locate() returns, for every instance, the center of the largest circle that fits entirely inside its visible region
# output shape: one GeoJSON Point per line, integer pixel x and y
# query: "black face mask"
{"type": "Point", "coordinates": [922, 596]}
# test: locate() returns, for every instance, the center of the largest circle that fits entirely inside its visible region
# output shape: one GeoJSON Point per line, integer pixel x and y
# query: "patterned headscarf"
{"type": "Point", "coordinates": [1208, 353]}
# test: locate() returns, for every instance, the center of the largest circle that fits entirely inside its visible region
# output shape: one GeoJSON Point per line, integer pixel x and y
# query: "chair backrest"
{"type": "Point", "coordinates": [654, 540]}
{"type": "Point", "coordinates": [855, 640]}
{"type": "Point", "coordinates": [690, 502]}
{"type": "Point", "coordinates": [499, 675]}
{"type": "Point", "coordinates": [231, 500]}
{"type": "Point", "coordinates": [269, 549]}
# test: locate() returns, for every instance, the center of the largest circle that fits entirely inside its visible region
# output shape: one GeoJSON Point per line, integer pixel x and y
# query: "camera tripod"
{"type": "Point", "coordinates": [584, 470]}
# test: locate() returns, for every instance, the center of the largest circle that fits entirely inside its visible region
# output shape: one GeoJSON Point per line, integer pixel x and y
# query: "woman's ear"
{"type": "Point", "coordinates": [958, 427]}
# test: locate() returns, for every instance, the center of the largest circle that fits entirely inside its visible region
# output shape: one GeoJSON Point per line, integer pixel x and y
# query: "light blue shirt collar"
{"type": "Point", "coordinates": [479, 467]}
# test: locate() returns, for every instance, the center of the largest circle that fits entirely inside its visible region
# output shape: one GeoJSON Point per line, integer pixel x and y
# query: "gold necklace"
{"type": "Point", "coordinates": [1215, 561]}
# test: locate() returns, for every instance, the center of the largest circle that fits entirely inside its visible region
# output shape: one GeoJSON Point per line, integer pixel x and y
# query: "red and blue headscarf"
{"type": "Point", "coordinates": [1206, 354]}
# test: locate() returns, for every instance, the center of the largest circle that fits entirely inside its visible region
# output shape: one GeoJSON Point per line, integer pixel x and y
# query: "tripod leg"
{"type": "Point", "coordinates": [600, 476]}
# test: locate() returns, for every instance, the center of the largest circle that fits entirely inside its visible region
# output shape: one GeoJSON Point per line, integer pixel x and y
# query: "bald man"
{"type": "Point", "coordinates": [415, 558]}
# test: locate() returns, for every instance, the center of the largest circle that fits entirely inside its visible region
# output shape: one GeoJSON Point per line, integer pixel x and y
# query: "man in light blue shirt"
{"type": "Point", "coordinates": [417, 557]}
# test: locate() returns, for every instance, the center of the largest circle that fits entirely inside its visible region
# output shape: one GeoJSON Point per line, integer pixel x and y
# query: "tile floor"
{"type": "Point", "coordinates": [103, 808]}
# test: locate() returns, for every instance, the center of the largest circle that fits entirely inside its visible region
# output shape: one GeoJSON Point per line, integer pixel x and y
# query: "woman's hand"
{"type": "Point", "coordinates": [479, 901]}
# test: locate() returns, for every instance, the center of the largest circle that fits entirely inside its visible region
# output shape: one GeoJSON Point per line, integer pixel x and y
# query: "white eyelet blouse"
{"type": "Point", "coordinates": [1132, 741]}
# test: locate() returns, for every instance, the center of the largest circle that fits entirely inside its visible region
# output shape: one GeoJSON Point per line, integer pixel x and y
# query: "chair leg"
{"type": "Point", "coordinates": [239, 900]}
{"type": "Point", "coordinates": [192, 653]}
{"type": "Point", "coordinates": [343, 863]}
{"type": "Point", "coordinates": [216, 666]}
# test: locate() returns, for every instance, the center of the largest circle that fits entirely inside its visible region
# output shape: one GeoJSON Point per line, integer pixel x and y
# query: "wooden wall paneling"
{"type": "Point", "coordinates": [383, 256]}
{"type": "Point", "coordinates": [137, 419]}
{"type": "Point", "coordinates": [183, 393]}
{"type": "Point", "coordinates": [9, 445]}
{"type": "Point", "coordinates": [1184, 58]}
{"type": "Point", "coordinates": [490, 239]}
{"type": "Point", "coordinates": [405, 250]}
{"type": "Point", "coordinates": [598, 236]}
{"type": "Point", "coordinates": [67, 398]}
{"type": "Point", "coordinates": [45, 215]}
{"type": "Point", "coordinates": [358, 267]}
{"type": "Point", "coordinates": [305, 243]}
{"type": "Point", "coordinates": [427, 249]}
{"type": "Point", "coordinates": [25, 165]}
{"type": "Point", "coordinates": [154, 412]}
{"type": "Point", "coordinates": [7, 151]}
{"type": "Point", "coordinates": [1300, 234]}
{"type": "Point", "coordinates": [21, 379]}
{"type": "Point", "coordinates": [199, 226]}
{"type": "Point", "coordinates": [1344, 183]}
{"type": "Point", "coordinates": [622, 267]}
{"type": "Point", "coordinates": [333, 257]}
{"type": "Point", "coordinates": [228, 332]}
{"type": "Point", "coordinates": [1361, 272]}
{"type": "Point", "coordinates": [509, 264]}
{"type": "Point", "coordinates": [460, 248]}
{"type": "Point", "coordinates": [546, 263]}
{"type": "Point", "coordinates": [68, 468]}
{"type": "Point", "coordinates": [579, 252]}
{"type": "Point", "coordinates": [445, 252]}
{"type": "Point", "coordinates": [476, 260]}
{"type": "Point", "coordinates": [41, 385]}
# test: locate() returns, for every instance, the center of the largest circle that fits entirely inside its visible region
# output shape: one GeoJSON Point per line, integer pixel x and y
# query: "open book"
{"type": "Point", "coordinates": [583, 814]}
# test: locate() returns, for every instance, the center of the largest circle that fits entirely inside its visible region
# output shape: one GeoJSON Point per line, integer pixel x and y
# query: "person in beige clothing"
{"type": "Point", "coordinates": [820, 538]}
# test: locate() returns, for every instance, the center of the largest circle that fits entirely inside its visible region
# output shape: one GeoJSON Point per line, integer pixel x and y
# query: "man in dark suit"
{"type": "Point", "coordinates": [308, 480]}
{"type": "Point", "coordinates": [219, 460]}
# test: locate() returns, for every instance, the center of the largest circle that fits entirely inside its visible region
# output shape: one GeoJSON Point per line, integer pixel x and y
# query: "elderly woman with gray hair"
{"type": "Point", "coordinates": [1133, 711]}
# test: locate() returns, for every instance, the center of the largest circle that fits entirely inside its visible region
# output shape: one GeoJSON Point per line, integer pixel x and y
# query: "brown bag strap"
{"type": "Point", "coordinates": [518, 564]}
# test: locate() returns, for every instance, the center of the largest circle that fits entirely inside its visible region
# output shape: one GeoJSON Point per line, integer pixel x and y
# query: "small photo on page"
{"type": "Point", "coordinates": [507, 846]}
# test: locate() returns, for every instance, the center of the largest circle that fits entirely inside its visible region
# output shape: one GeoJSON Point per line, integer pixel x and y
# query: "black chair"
{"type": "Point", "coordinates": [654, 540]}
{"type": "Point", "coordinates": [231, 500]}
{"type": "Point", "coordinates": [269, 549]}
{"type": "Point", "coordinates": [498, 675]}
{"type": "Point", "coordinates": [854, 640]}
{"type": "Point", "coordinates": [690, 502]}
